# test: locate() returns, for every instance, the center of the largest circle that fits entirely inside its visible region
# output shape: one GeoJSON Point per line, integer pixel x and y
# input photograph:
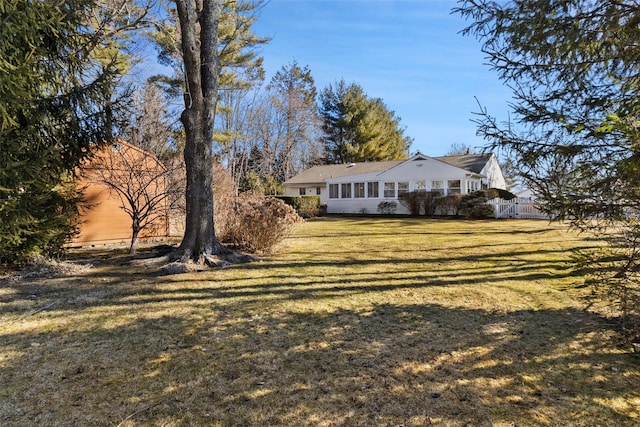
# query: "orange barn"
{"type": "Point", "coordinates": [103, 219]}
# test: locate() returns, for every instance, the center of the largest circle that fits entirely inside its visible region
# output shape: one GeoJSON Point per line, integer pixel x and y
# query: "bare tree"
{"type": "Point", "coordinates": [141, 182]}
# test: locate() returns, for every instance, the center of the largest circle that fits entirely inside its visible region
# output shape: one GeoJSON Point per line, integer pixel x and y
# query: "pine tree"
{"type": "Point", "coordinates": [575, 129]}
{"type": "Point", "coordinates": [53, 81]}
{"type": "Point", "coordinates": [357, 128]}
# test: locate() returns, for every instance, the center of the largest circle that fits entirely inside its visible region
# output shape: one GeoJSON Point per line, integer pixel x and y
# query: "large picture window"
{"type": "Point", "coordinates": [420, 186]}
{"type": "Point", "coordinates": [333, 191]}
{"type": "Point", "coordinates": [390, 189]}
{"type": "Point", "coordinates": [373, 189]}
{"type": "Point", "coordinates": [358, 190]}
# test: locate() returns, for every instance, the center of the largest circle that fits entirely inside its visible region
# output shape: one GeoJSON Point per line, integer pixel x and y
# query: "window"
{"type": "Point", "coordinates": [453, 186]}
{"type": "Point", "coordinates": [390, 189]}
{"type": "Point", "coordinates": [373, 189]}
{"type": "Point", "coordinates": [333, 191]}
{"type": "Point", "coordinates": [346, 191]}
{"type": "Point", "coordinates": [302, 191]}
{"type": "Point", "coordinates": [438, 187]}
{"type": "Point", "coordinates": [420, 186]}
{"type": "Point", "coordinates": [472, 186]}
{"type": "Point", "coordinates": [358, 190]}
{"type": "Point", "coordinates": [403, 187]}
{"type": "Point", "coordinates": [318, 191]}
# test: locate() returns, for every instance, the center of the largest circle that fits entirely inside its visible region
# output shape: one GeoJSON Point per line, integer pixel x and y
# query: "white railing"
{"type": "Point", "coordinates": [516, 208]}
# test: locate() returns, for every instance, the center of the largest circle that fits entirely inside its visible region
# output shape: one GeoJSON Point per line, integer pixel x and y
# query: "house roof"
{"type": "Point", "coordinates": [318, 174]}
{"type": "Point", "coordinates": [471, 162]}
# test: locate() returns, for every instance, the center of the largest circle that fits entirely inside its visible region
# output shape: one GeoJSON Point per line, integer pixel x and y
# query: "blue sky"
{"type": "Point", "coordinates": [409, 53]}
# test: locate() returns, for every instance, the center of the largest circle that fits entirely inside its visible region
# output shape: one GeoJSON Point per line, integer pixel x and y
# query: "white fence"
{"type": "Point", "coordinates": [516, 208]}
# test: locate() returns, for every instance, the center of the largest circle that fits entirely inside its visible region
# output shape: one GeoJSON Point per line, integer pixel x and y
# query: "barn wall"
{"type": "Point", "coordinates": [102, 220]}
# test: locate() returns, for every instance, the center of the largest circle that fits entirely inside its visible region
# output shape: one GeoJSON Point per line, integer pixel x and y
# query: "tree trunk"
{"type": "Point", "coordinates": [199, 29]}
{"type": "Point", "coordinates": [134, 240]}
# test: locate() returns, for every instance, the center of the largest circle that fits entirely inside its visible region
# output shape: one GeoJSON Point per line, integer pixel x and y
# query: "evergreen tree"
{"type": "Point", "coordinates": [240, 64]}
{"type": "Point", "coordinates": [55, 84]}
{"type": "Point", "coordinates": [573, 66]}
{"type": "Point", "coordinates": [357, 128]}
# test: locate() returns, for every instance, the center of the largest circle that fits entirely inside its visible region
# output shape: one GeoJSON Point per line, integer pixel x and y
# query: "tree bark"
{"type": "Point", "coordinates": [199, 29]}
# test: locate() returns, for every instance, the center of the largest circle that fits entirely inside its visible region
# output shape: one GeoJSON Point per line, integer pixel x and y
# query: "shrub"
{"type": "Point", "coordinates": [447, 205]}
{"type": "Point", "coordinates": [387, 208]}
{"type": "Point", "coordinates": [254, 223]}
{"type": "Point", "coordinates": [499, 193]}
{"type": "Point", "coordinates": [482, 210]}
{"type": "Point", "coordinates": [413, 201]}
{"type": "Point", "coordinates": [301, 203]}
{"type": "Point", "coordinates": [420, 201]}
{"type": "Point", "coordinates": [474, 205]}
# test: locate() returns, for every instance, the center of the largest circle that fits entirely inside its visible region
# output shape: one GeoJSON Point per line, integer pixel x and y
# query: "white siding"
{"type": "Point", "coordinates": [310, 190]}
{"type": "Point", "coordinates": [492, 171]}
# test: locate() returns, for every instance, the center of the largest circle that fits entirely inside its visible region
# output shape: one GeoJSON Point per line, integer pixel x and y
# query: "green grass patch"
{"type": "Point", "coordinates": [354, 322]}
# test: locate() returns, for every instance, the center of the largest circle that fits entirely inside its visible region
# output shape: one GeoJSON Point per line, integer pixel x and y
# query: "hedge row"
{"type": "Point", "coordinates": [301, 203]}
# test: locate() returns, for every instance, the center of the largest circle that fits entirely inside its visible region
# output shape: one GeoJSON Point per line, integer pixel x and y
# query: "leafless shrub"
{"type": "Point", "coordinates": [254, 223]}
{"type": "Point", "coordinates": [413, 201]}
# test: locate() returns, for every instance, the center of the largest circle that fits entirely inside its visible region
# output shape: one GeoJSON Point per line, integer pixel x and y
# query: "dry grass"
{"type": "Point", "coordinates": [357, 322]}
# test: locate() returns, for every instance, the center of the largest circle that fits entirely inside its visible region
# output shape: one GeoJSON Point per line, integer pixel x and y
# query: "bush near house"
{"type": "Point", "coordinates": [418, 202]}
{"type": "Point", "coordinates": [447, 205]}
{"type": "Point", "coordinates": [301, 204]}
{"type": "Point", "coordinates": [474, 205]}
{"type": "Point", "coordinates": [499, 193]}
{"type": "Point", "coordinates": [413, 201]}
{"type": "Point", "coordinates": [387, 208]}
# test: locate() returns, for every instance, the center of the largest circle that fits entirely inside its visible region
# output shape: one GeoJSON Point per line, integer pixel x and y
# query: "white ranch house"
{"type": "Point", "coordinates": [360, 187]}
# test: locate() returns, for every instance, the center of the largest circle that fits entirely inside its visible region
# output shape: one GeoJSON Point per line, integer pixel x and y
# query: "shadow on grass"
{"type": "Point", "coordinates": [198, 358]}
{"type": "Point", "coordinates": [129, 286]}
{"type": "Point", "coordinates": [345, 338]}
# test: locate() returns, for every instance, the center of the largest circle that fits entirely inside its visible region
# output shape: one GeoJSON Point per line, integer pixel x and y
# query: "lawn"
{"type": "Point", "coordinates": [354, 322]}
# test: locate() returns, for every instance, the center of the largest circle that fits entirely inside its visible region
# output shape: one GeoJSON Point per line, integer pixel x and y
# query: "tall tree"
{"type": "Point", "coordinates": [357, 128]}
{"type": "Point", "coordinates": [240, 64]}
{"type": "Point", "coordinates": [293, 94]}
{"type": "Point", "coordinates": [199, 37]}
{"type": "Point", "coordinates": [575, 134]}
{"type": "Point", "coordinates": [57, 72]}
